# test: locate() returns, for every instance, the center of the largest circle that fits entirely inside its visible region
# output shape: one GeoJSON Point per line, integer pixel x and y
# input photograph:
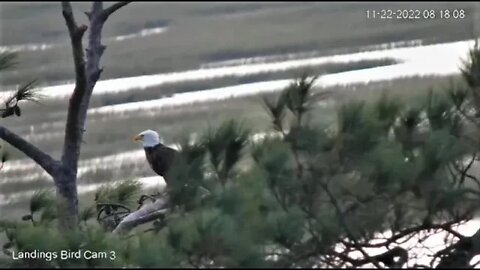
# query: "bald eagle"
{"type": "Point", "coordinates": [159, 156]}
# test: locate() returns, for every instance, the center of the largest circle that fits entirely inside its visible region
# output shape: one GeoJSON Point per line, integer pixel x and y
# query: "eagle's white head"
{"type": "Point", "coordinates": [149, 138]}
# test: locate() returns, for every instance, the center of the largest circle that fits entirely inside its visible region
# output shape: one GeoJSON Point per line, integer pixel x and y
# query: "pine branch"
{"type": "Point", "coordinates": [7, 60]}
{"type": "Point", "coordinates": [24, 93]}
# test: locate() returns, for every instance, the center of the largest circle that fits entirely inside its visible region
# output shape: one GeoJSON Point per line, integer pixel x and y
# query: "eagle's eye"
{"type": "Point", "coordinates": [139, 137]}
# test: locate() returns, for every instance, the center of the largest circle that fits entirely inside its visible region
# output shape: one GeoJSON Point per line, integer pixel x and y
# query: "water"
{"type": "Point", "coordinates": [413, 61]}
{"type": "Point", "coordinates": [46, 46]}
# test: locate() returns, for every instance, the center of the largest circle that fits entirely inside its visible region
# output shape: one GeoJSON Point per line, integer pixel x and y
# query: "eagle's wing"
{"type": "Point", "coordinates": [161, 158]}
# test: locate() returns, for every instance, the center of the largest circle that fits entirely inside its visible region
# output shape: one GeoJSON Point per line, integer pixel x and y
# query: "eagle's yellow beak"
{"type": "Point", "coordinates": [138, 138]}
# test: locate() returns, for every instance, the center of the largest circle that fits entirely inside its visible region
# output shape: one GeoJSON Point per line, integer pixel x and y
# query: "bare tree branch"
{"type": "Point", "coordinates": [111, 9]}
{"type": "Point", "coordinates": [49, 164]}
{"type": "Point", "coordinates": [76, 35]}
{"type": "Point", "coordinates": [143, 215]}
{"type": "Point", "coordinates": [412, 230]}
{"type": "Point", "coordinates": [87, 74]}
{"type": "Point", "coordinates": [71, 149]}
{"type": "Point", "coordinates": [344, 224]}
{"type": "Point", "coordinates": [459, 254]}
{"type": "Point", "coordinates": [464, 171]}
{"type": "Point", "coordinates": [387, 258]}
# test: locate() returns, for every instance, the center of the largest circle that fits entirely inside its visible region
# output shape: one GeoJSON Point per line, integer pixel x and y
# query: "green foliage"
{"type": "Point", "coordinates": [458, 95]}
{"type": "Point", "coordinates": [357, 130]}
{"type": "Point", "coordinates": [287, 226]}
{"type": "Point", "coordinates": [225, 146]}
{"type": "Point", "coordinates": [386, 110]}
{"type": "Point", "coordinates": [470, 73]}
{"type": "Point", "coordinates": [296, 100]}
{"type": "Point", "coordinates": [297, 96]}
{"type": "Point", "coordinates": [188, 172]}
{"type": "Point", "coordinates": [276, 109]}
{"type": "Point", "coordinates": [438, 110]}
{"type": "Point", "coordinates": [471, 68]}
{"type": "Point", "coordinates": [153, 254]}
{"type": "Point", "coordinates": [87, 213]}
{"type": "Point", "coordinates": [7, 60]}
{"type": "Point", "coordinates": [389, 171]}
{"type": "Point", "coordinates": [40, 200]}
{"type": "Point", "coordinates": [26, 92]}
{"type": "Point", "coordinates": [124, 193]}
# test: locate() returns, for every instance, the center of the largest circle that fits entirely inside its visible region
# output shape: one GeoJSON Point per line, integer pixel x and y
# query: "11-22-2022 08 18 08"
{"type": "Point", "coordinates": [415, 14]}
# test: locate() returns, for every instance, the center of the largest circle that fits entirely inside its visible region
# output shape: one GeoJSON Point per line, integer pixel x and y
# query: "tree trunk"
{"type": "Point", "coordinates": [87, 73]}
{"type": "Point", "coordinates": [67, 200]}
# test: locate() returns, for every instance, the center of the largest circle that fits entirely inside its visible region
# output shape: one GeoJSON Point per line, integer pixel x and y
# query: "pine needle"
{"type": "Point", "coordinates": [8, 60]}
{"type": "Point", "coordinates": [41, 199]}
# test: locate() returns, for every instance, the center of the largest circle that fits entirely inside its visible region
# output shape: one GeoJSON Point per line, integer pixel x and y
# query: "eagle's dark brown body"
{"type": "Point", "coordinates": [161, 159]}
